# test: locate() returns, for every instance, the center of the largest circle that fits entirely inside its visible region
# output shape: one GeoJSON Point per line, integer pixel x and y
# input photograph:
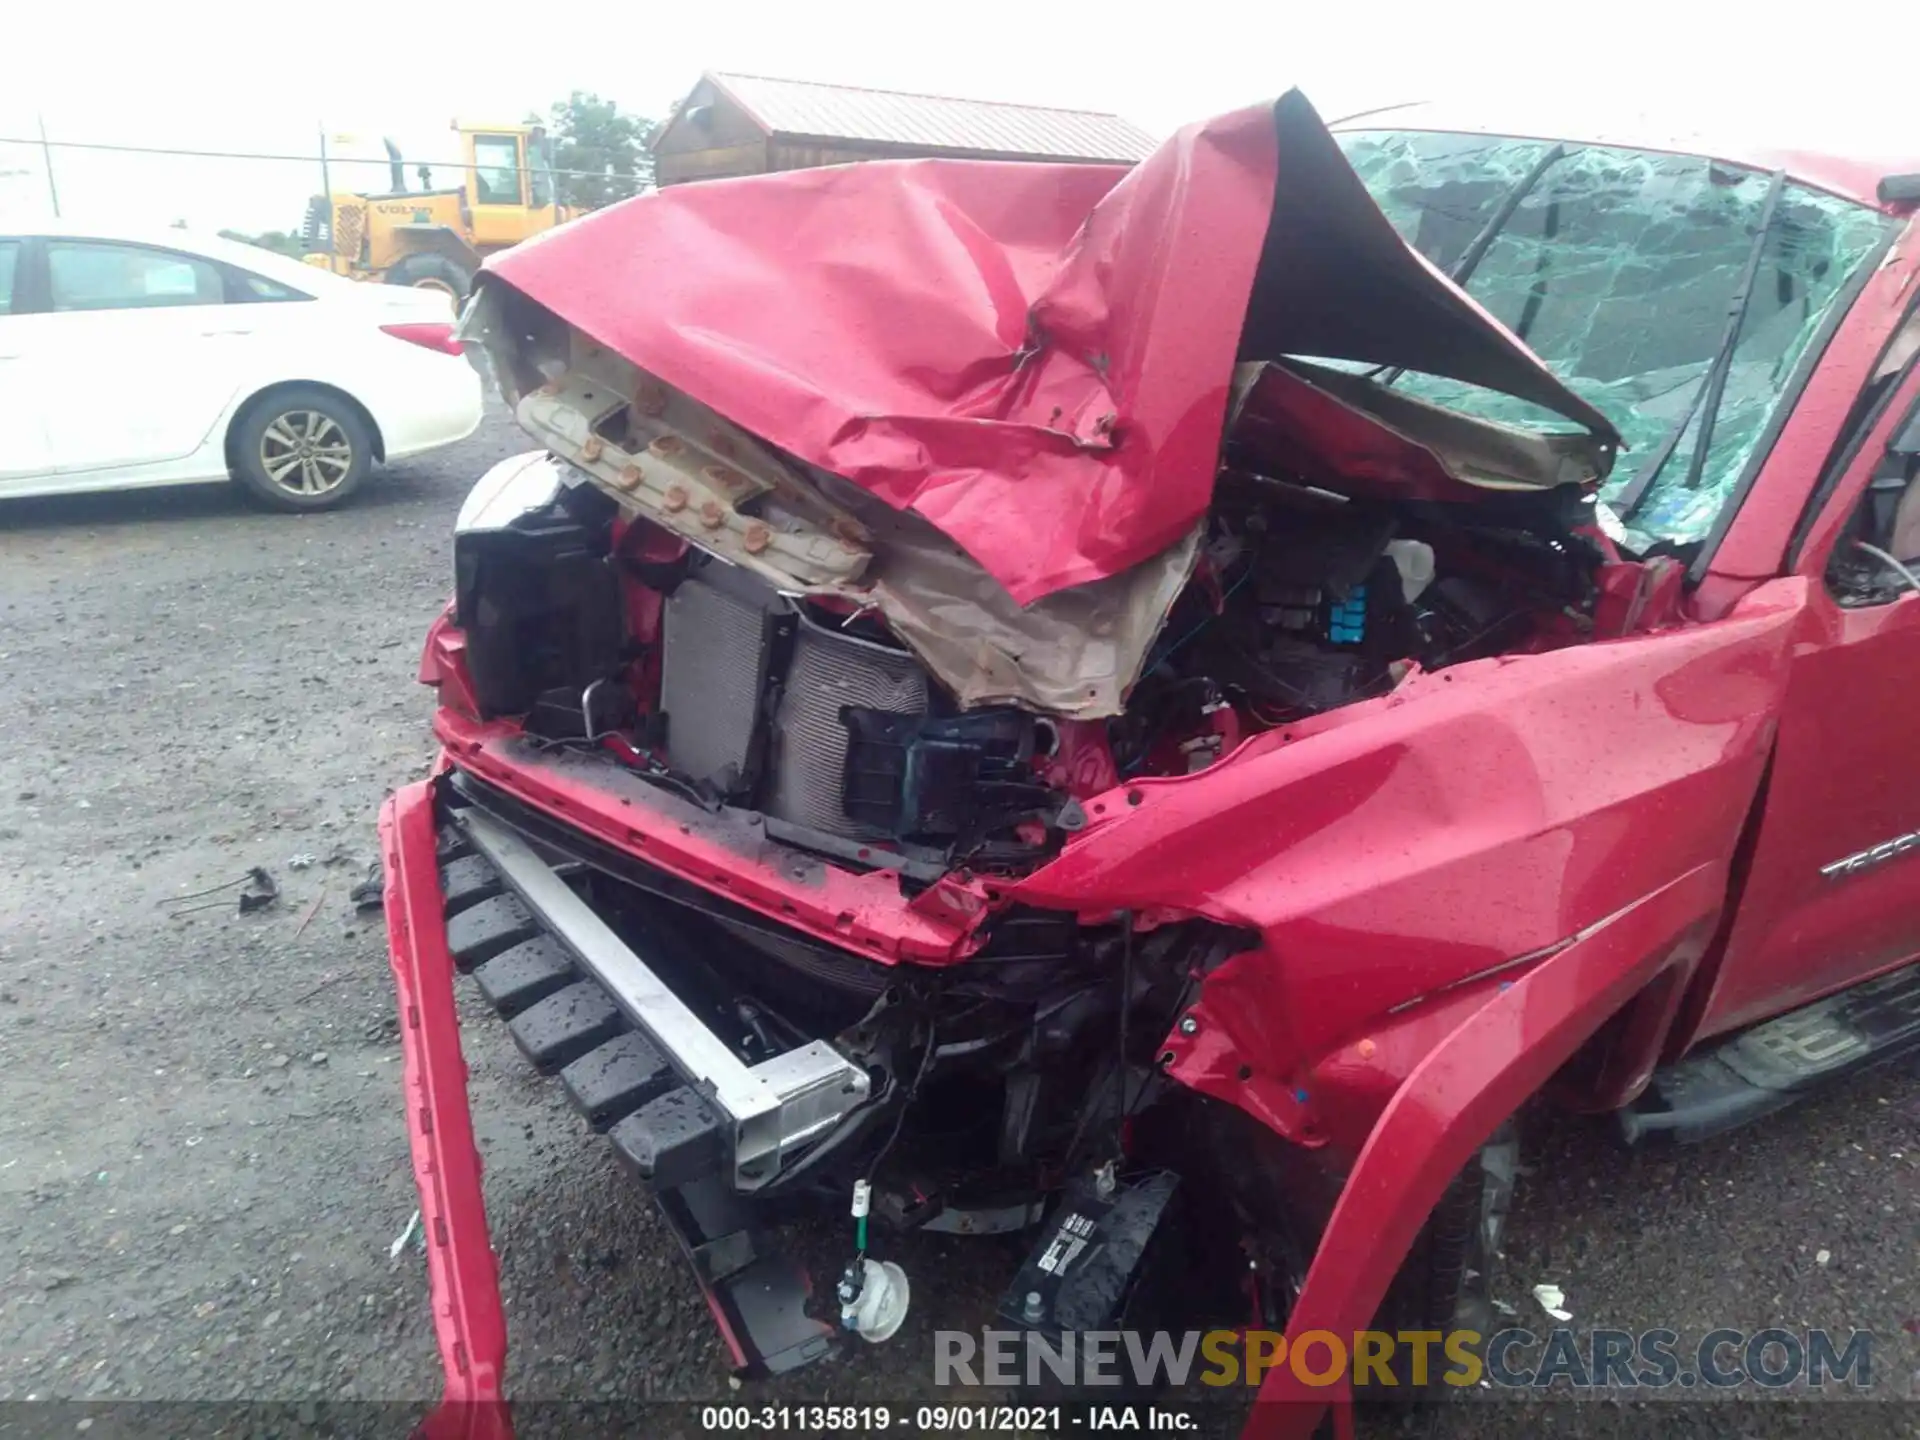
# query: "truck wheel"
{"type": "Point", "coordinates": [433, 272]}
{"type": "Point", "coordinates": [301, 449]}
{"type": "Point", "coordinates": [1271, 1201]}
{"type": "Point", "coordinates": [1445, 1283]}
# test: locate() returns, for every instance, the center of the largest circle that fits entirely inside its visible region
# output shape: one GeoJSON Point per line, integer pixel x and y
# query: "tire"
{"type": "Point", "coordinates": [301, 449]}
{"type": "Point", "coordinates": [433, 272]}
{"type": "Point", "coordinates": [1445, 1283]}
{"type": "Point", "coordinates": [1272, 1201]}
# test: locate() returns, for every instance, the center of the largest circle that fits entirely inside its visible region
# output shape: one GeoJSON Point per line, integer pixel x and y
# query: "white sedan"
{"type": "Point", "coordinates": [159, 358]}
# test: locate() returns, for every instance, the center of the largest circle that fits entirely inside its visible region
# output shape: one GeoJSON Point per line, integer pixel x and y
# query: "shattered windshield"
{"type": "Point", "coordinates": [1619, 269]}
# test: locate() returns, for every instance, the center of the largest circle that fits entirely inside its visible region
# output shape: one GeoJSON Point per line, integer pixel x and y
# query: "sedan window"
{"type": "Point", "coordinates": [9, 257]}
{"type": "Point", "coordinates": [244, 287]}
{"type": "Point", "coordinates": [87, 275]}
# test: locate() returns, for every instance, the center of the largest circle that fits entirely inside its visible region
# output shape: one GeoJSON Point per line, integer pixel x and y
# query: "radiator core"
{"type": "Point", "coordinates": [809, 752]}
{"type": "Point", "coordinates": [713, 668]}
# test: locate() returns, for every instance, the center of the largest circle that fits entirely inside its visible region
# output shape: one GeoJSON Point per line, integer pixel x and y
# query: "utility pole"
{"type": "Point", "coordinates": [326, 197]}
{"type": "Point", "coordinates": [46, 155]}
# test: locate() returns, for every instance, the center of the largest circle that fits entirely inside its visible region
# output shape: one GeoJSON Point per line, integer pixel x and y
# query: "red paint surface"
{"type": "Point", "coordinates": [469, 1325]}
{"type": "Point", "coordinates": [863, 913]}
{"type": "Point", "coordinates": [1458, 1095]}
{"type": "Point", "coordinates": [1406, 843]}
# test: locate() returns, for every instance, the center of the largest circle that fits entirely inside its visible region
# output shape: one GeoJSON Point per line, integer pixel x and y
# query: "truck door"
{"type": "Point", "coordinates": [1834, 892]}
{"type": "Point", "coordinates": [498, 185]}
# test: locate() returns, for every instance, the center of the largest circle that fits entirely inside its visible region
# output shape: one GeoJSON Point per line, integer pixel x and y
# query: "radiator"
{"type": "Point", "coordinates": [713, 664]}
{"type": "Point", "coordinates": [809, 752]}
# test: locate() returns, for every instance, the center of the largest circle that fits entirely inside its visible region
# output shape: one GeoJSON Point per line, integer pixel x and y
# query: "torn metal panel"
{"type": "Point", "coordinates": [1036, 359]}
{"type": "Point", "coordinates": [1344, 429]}
{"type": "Point", "coordinates": [680, 465]}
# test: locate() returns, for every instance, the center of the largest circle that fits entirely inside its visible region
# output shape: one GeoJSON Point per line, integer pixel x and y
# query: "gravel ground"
{"type": "Point", "coordinates": [201, 1151]}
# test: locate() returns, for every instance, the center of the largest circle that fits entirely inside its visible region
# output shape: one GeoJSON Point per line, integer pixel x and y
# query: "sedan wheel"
{"type": "Point", "coordinates": [301, 448]}
{"type": "Point", "coordinates": [306, 453]}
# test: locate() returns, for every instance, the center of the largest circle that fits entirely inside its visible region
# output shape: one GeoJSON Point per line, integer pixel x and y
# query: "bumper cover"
{"type": "Point", "coordinates": [469, 1325]}
{"type": "Point", "coordinates": [582, 1004]}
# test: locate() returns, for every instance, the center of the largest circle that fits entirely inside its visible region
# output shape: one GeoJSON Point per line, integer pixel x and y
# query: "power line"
{"type": "Point", "coordinates": [300, 159]}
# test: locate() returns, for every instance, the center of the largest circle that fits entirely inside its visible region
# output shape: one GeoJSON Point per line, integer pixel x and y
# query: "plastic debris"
{"type": "Point", "coordinates": [879, 1308]}
{"type": "Point", "coordinates": [1821, 1257]}
{"type": "Point", "coordinates": [370, 893]}
{"type": "Point", "coordinates": [260, 892]}
{"type": "Point", "coordinates": [400, 1240]}
{"type": "Point", "coordinates": [1553, 1300]}
{"type": "Point", "coordinates": [302, 861]}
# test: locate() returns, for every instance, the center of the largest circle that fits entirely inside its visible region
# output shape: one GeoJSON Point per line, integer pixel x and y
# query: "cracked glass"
{"type": "Point", "coordinates": [1620, 268]}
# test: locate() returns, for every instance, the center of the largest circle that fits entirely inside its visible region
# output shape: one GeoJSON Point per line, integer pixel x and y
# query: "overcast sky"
{"type": "Point", "coordinates": [267, 77]}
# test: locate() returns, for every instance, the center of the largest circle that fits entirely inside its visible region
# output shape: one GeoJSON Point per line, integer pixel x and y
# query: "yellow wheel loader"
{"type": "Point", "coordinates": [436, 236]}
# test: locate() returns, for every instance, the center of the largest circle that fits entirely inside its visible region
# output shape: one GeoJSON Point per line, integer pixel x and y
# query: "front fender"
{"type": "Point", "coordinates": [1452, 1102]}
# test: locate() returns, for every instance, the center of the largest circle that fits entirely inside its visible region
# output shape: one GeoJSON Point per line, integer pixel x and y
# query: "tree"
{"type": "Point", "coordinates": [591, 136]}
{"type": "Point", "coordinates": [278, 241]}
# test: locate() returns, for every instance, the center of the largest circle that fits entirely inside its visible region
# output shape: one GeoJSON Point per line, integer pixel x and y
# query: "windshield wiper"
{"type": "Point", "coordinates": [1497, 222]}
{"type": "Point", "coordinates": [1482, 242]}
{"type": "Point", "coordinates": [1713, 385]}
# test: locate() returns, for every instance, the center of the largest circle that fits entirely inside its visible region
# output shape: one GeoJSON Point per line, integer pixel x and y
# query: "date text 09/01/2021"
{"type": "Point", "coordinates": [941, 1419]}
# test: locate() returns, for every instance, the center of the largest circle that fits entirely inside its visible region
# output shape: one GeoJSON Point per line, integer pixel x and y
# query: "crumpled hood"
{"type": "Point", "coordinates": [1037, 359]}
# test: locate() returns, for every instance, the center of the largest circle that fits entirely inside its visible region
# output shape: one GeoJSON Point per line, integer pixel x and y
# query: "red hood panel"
{"type": "Point", "coordinates": [1036, 358]}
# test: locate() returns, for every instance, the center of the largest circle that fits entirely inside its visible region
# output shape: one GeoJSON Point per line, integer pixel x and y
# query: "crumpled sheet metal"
{"type": "Point", "coordinates": [1339, 429]}
{"type": "Point", "coordinates": [1074, 653]}
{"type": "Point", "coordinates": [1036, 359]}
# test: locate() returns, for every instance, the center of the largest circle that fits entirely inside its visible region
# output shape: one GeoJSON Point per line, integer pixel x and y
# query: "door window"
{"type": "Point", "coordinates": [248, 287]}
{"type": "Point", "coordinates": [496, 168]}
{"type": "Point", "coordinates": [9, 258]}
{"type": "Point", "coordinates": [87, 275]}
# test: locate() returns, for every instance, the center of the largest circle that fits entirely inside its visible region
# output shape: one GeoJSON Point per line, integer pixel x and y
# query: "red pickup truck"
{"type": "Point", "coordinates": [1160, 707]}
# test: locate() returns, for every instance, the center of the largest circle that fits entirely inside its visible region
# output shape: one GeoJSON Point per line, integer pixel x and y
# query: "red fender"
{"type": "Point", "coordinates": [469, 1324]}
{"type": "Point", "coordinates": [1447, 1108]}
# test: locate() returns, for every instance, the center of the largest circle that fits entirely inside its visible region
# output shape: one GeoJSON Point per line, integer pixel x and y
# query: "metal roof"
{"type": "Point", "coordinates": [887, 117]}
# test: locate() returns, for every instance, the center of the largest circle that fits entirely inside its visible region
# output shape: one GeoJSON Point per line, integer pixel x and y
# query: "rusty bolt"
{"type": "Point", "coordinates": [591, 449]}
{"type": "Point", "coordinates": [630, 477]}
{"type": "Point", "coordinates": [675, 498]}
{"type": "Point", "coordinates": [758, 537]}
{"type": "Point", "coordinates": [1189, 1025]}
{"type": "Point", "coordinates": [720, 443]}
{"type": "Point", "coordinates": [650, 400]}
{"type": "Point", "coordinates": [721, 478]}
{"type": "Point", "coordinates": [666, 446]}
{"type": "Point", "coordinates": [710, 515]}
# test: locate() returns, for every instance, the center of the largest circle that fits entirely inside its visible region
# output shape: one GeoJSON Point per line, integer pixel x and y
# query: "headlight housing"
{"type": "Point", "coordinates": [516, 486]}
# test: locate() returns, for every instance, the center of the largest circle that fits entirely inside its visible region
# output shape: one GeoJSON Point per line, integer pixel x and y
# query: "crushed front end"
{"type": "Point", "coordinates": [1009, 768]}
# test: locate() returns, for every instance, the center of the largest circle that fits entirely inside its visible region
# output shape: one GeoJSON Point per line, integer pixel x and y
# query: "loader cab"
{"type": "Point", "coordinates": [509, 182]}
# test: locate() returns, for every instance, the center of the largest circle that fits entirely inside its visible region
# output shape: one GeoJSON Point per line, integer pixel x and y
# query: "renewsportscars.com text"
{"type": "Point", "coordinates": [1514, 1358]}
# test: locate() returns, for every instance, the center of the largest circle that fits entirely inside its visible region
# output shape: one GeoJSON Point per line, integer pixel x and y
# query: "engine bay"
{"type": "Point", "coordinates": [608, 633]}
